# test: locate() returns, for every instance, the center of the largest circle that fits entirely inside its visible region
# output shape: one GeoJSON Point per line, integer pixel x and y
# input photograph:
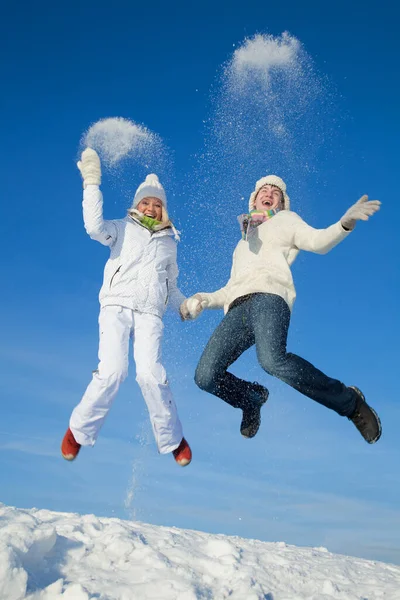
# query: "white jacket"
{"type": "Point", "coordinates": [141, 273]}
{"type": "Point", "coordinates": [261, 263]}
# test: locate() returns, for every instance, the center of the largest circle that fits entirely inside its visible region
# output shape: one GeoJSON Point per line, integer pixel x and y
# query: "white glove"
{"type": "Point", "coordinates": [90, 167]}
{"type": "Point", "coordinates": [360, 211]}
{"type": "Point", "coordinates": [192, 307]}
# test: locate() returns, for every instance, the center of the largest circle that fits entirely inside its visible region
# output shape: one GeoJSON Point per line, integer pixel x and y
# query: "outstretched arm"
{"type": "Point", "coordinates": [323, 240]}
{"type": "Point", "coordinates": [97, 228]}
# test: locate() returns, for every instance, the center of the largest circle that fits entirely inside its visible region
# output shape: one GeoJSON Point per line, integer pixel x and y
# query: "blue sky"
{"type": "Point", "coordinates": [307, 478]}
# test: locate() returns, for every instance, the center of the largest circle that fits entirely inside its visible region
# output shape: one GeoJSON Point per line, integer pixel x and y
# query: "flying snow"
{"type": "Point", "coordinates": [258, 56]}
{"type": "Point", "coordinates": [117, 138]}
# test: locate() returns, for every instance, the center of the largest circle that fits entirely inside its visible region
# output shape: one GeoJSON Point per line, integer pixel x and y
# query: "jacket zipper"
{"type": "Point", "coordinates": [112, 278]}
{"type": "Point", "coordinates": [166, 299]}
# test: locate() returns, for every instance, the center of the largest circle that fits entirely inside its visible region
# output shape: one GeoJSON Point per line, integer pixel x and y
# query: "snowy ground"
{"type": "Point", "coordinates": [46, 555]}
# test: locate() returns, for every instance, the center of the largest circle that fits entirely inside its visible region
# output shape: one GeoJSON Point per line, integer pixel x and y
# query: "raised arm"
{"type": "Point", "coordinates": [321, 241]}
{"type": "Point", "coordinates": [97, 228]}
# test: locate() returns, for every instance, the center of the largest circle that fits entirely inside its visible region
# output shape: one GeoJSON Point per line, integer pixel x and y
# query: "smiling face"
{"type": "Point", "coordinates": [151, 207]}
{"type": "Point", "coordinates": [268, 198]}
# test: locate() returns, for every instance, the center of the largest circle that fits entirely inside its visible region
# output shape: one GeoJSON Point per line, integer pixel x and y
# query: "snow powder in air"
{"type": "Point", "coordinates": [117, 138]}
{"type": "Point", "coordinates": [259, 55]}
{"type": "Point", "coordinates": [269, 113]}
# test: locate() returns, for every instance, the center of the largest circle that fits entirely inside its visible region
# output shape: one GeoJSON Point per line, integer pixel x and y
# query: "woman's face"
{"type": "Point", "coordinates": [151, 207]}
{"type": "Point", "coordinates": [268, 198]}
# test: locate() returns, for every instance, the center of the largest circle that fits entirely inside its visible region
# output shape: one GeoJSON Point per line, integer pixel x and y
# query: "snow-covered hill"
{"type": "Point", "coordinates": [46, 555]}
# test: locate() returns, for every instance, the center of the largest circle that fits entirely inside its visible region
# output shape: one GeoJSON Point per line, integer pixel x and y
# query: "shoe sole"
{"type": "Point", "coordinates": [359, 392]}
{"type": "Point", "coordinates": [247, 436]}
{"type": "Point", "coordinates": [184, 462]}
{"type": "Point", "coordinates": [69, 457]}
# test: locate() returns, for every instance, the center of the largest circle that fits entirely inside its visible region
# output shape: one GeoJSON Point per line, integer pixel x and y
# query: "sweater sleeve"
{"type": "Point", "coordinates": [320, 241]}
{"type": "Point", "coordinates": [215, 299]}
{"type": "Point", "coordinates": [96, 227]}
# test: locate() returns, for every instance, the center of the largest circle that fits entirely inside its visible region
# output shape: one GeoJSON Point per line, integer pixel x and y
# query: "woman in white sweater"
{"type": "Point", "coordinates": [257, 302]}
{"type": "Point", "coordinates": [140, 280]}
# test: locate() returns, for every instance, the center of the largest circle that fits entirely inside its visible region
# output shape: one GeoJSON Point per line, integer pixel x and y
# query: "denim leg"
{"type": "Point", "coordinates": [270, 317]}
{"type": "Point", "coordinates": [230, 339]}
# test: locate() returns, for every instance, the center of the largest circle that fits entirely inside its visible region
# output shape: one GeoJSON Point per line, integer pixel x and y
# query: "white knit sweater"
{"type": "Point", "coordinates": [261, 263]}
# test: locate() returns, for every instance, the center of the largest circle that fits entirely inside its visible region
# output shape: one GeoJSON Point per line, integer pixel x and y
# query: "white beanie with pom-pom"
{"type": "Point", "coordinates": [270, 180]}
{"type": "Point", "coordinates": [150, 188]}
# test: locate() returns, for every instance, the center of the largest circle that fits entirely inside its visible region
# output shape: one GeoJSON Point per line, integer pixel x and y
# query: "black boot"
{"type": "Point", "coordinates": [365, 419]}
{"type": "Point", "coordinates": [251, 420]}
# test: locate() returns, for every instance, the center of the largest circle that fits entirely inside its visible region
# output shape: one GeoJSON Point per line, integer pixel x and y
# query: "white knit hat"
{"type": "Point", "coordinates": [270, 180]}
{"type": "Point", "coordinates": [150, 188]}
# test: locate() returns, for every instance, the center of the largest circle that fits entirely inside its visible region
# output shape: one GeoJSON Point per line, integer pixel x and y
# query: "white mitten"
{"type": "Point", "coordinates": [360, 211]}
{"type": "Point", "coordinates": [192, 307]}
{"type": "Point", "coordinates": [90, 167]}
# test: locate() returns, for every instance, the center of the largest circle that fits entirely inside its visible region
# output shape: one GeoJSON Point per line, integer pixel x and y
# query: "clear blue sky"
{"type": "Point", "coordinates": [307, 478]}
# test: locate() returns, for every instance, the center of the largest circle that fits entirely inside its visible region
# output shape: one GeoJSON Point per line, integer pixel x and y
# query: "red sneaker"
{"type": "Point", "coordinates": [183, 453]}
{"type": "Point", "coordinates": [69, 446]}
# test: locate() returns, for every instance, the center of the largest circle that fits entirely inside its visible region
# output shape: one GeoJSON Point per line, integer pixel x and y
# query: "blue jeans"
{"type": "Point", "coordinates": [263, 320]}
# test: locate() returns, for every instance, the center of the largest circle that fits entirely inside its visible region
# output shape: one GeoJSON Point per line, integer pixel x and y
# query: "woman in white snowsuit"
{"type": "Point", "coordinates": [140, 279]}
{"type": "Point", "coordinates": [257, 302]}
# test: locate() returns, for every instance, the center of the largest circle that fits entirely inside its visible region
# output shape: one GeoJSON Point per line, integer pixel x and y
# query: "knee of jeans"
{"type": "Point", "coordinates": [271, 363]}
{"type": "Point", "coordinates": [204, 379]}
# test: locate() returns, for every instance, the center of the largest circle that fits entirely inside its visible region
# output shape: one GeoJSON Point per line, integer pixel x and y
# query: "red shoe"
{"type": "Point", "coordinates": [183, 453]}
{"type": "Point", "coordinates": [69, 446]}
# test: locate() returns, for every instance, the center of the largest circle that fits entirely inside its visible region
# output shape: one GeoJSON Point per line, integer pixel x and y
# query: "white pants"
{"type": "Point", "coordinates": [117, 326]}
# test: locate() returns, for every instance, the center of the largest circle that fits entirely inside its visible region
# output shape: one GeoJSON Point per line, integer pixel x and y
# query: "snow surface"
{"type": "Point", "coordinates": [46, 555]}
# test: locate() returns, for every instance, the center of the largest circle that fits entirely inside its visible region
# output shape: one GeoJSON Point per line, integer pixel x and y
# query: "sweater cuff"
{"type": "Point", "coordinates": [345, 228]}
{"type": "Point", "coordinates": [342, 230]}
{"type": "Point", "coordinates": [214, 299]}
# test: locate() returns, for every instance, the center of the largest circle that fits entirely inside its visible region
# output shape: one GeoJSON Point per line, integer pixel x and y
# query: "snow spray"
{"type": "Point", "coordinates": [270, 114]}
{"type": "Point", "coordinates": [267, 116]}
{"type": "Point", "coordinates": [128, 152]}
{"type": "Point", "coordinates": [144, 441]}
{"type": "Point", "coordinates": [117, 138]}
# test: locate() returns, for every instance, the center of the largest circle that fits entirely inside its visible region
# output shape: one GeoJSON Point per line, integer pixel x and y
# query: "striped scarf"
{"type": "Point", "coordinates": [251, 220]}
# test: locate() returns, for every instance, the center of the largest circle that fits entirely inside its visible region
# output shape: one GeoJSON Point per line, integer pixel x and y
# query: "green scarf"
{"type": "Point", "coordinates": [149, 222]}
